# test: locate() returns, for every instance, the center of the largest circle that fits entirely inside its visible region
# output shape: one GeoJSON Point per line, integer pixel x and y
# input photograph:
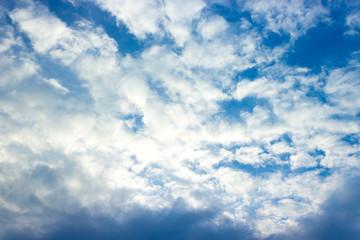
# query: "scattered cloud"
{"type": "Point", "coordinates": [215, 129]}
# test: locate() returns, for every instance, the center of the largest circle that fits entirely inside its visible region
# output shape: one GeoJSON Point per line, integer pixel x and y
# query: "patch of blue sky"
{"type": "Point", "coordinates": [316, 93]}
{"type": "Point", "coordinates": [273, 39]}
{"type": "Point", "coordinates": [354, 154]}
{"type": "Point", "coordinates": [324, 45]}
{"type": "Point", "coordinates": [177, 50]}
{"type": "Point", "coordinates": [278, 163]}
{"type": "Point", "coordinates": [270, 167]}
{"type": "Point", "coordinates": [253, 169]}
{"type": "Point", "coordinates": [232, 13]}
{"type": "Point", "coordinates": [11, 5]}
{"type": "Point", "coordinates": [250, 74]}
{"type": "Point", "coordinates": [133, 121]}
{"type": "Point", "coordinates": [277, 201]}
{"type": "Point", "coordinates": [234, 16]}
{"type": "Point", "coordinates": [195, 167]}
{"type": "Point", "coordinates": [6, 20]}
{"type": "Point", "coordinates": [229, 10]}
{"type": "Point", "coordinates": [283, 138]}
{"type": "Point", "coordinates": [307, 52]}
{"type": "Point", "coordinates": [155, 179]}
{"type": "Point", "coordinates": [161, 91]}
{"type": "Point", "coordinates": [323, 172]}
{"type": "Point", "coordinates": [352, 139]}
{"type": "Point", "coordinates": [233, 108]}
{"type": "Point", "coordinates": [215, 148]}
{"type": "Point", "coordinates": [70, 14]}
{"type": "Point", "coordinates": [346, 117]}
{"type": "Point", "coordinates": [51, 68]}
{"type": "Point", "coordinates": [317, 153]}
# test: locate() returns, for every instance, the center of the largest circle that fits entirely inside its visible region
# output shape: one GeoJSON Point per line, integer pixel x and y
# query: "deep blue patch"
{"type": "Point", "coordinates": [10, 5]}
{"type": "Point", "coordinates": [324, 172]}
{"type": "Point", "coordinates": [324, 45]}
{"type": "Point", "coordinates": [275, 39]}
{"type": "Point", "coordinates": [316, 93]}
{"type": "Point", "coordinates": [178, 50]}
{"type": "Point", "coordinates": [17, 31]}
{"type": "Point", "coordinates": [317, 153]}
{"type": "Point", "coordinates": [284, 157]}
{"type": "Point", "coordinates": [255, 170]}
{"type": "Point", "coordinates": [354, 154]}
{"type": "Point", "coordinates": [260, 170]}
{"type": "Point", "coordinates": [127, 42]}
{"type": "Point", "coordinates": [345, 117]}
{"type": "Point", "coordinates": [250, 73]}
{"type": "Point", "coordinates": [233, 108]}
{"type": "Point", "coordinates": [352, 139]}
{"type": "Point", "coordinates": [178, 222]}
{"type": "Point", "coordinates": [230, 13]}
{"type": "Point", "coordinates": [283, 138]}
{"type": "Point", "coordinates": [324, 3]}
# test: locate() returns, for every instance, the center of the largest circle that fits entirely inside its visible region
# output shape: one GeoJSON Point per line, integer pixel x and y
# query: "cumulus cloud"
{"type": "Point", "coordinates": [174, 223]}
{"type": "Point", "coordinates": [178, 222]}
{"type": "Point", "coordinates": [212, 27]}
{"type": "Point", "coordinates": [177, 139]}
{"type": "Point", "coordinates": [157, 18]}
{"type": "Point", "coordinates": [338, 218]}
{"type": "Point", "coordinates": [142, 19]}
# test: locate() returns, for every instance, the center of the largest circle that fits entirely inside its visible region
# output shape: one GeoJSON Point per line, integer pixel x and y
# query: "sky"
{"type": "Point", "coordinates": [169, 119]}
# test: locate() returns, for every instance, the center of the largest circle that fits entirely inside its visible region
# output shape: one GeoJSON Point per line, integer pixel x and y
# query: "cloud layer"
{"type": "Point", "coordinates": [227, 121]}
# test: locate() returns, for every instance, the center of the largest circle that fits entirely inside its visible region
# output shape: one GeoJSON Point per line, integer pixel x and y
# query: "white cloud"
{"type": "Point", "coordinates": [89, 153]}
{"type": "Point", "coordinates": [141, 18]}
{"type": "Point", "coordinates": [212, 27]}
{"type": "Point", "coordinates": [353, 23]}
{"type": "Point", "coordinates": [15, 70]}
{"type": "Point", "coordinates": [44, 29]}
{"type": "Point", "coordinates": [181, 15]}
{"type": "Point", "coordinates": [302, 160]}
{"type": "Point", "coordinates": [291, 16]}
{"type": "Point", "coordinates": [250, 155]}
{"type": "Point", "coordinates": [209, 55]}
{"type": "Point", "coordinates": [8, 40]}
{"type": "Point", "coordinates": [342, 89]}
{"type": "Point", "coordinates": [150, 17]}
{"type": "Point", "coordinates": [54, 83]}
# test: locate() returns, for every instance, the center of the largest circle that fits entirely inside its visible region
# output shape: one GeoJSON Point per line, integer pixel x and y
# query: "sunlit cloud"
{"type": "Point", "coordinates": [186, 119]}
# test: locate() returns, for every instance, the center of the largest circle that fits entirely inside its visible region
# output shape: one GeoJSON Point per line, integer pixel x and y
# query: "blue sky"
{"type": "Point", "coordinates": [179, 119]}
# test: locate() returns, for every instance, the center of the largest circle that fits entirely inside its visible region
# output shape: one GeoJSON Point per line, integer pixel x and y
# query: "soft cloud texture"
{"type": "Point", "coordinates": [208, 131]}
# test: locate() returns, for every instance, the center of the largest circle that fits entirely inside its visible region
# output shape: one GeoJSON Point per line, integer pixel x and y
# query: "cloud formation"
{"type": "Point", "coordinates": [216, 127]}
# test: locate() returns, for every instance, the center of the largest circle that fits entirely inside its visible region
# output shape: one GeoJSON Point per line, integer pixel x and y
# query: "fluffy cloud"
{"type": "Point", "coordinates": [179, 123]}
{"type": "Point", "coordinates": [157, 18]}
